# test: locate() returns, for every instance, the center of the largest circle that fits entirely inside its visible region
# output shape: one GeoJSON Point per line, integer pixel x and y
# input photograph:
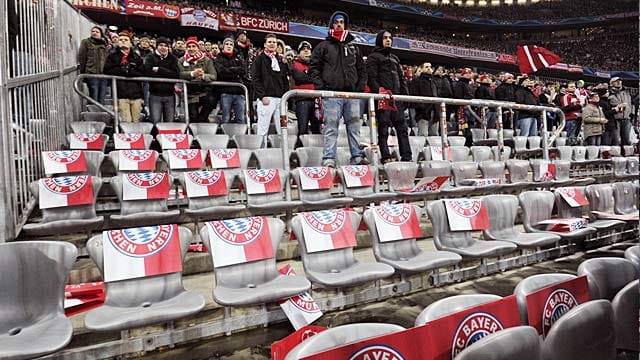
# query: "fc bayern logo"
{"type": "Point", "coordinates": [141, 242]}
{"type": "Point", "coordinates": [377, 352]}
{"type": "Point", "coordinates": [171, 11]}
{"type": "Point", "coordinates": [315, 173]}
{"type": "Point", "coordinates": [65, 184]}
{"type": "Point", "coordinates": [558, 303]}
{"type": "Point", "coordinates": [204, 177]}
{"type": "Point", "coordinates": [466, 207]}
{"type": "Point", "coordinates": [305, 303]}
{"type": "Point", "coordinates": [199, 15]}
{"type": "Point", "coordinates": [146, 180]}
{"type": "Point", "coordinates": [129, 137]}
{"type": "Point", "coordinates": [185, 154]}
{"type": "Point", "coordinates": [396, 215]}
{"type": "Point", "coordinates": [326, 221]}
{"type": "Point", "coordinates": [430, 186]}
{"type": "Point", "coordinates": [356, 170]}
{"type": "Point", "coordinates": [262, 176]}
{"type": "Point", "coordinates": [175, 138]}
{"type": "Point", "coordinates": [87, 137]}
{"type": "Point", "coordinates": [64, 156]}
{"type": "Point", "coordinates": [570, 192]}
{"type": "Point", "coordinates": [137, 155]}
{"type": "Point", "coordinates": [241, 231]}
{"type": "Point", "coordinates": [224, 154]}
{"type": "Point", "coordinates": [473, 328]}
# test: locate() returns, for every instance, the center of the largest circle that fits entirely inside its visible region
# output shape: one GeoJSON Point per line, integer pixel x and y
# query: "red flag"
{"type": "Point", "coordinates": [534, 58]}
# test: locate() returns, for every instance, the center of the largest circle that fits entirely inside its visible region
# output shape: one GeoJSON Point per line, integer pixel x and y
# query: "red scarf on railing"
{"type": "Point", "coordinates": [195, 58]}
{"type": "Point", "coordinates": [340, 35]}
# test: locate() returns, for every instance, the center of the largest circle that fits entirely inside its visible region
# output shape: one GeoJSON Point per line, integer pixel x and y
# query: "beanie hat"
{"type": "Point", "coordinates": [338, 15]}
{"type": "Point", "coordinates": [228, 39]}
{"type": "Point", "coordinates": [240, 32]}
{"type": "Point", "coordinates": [484, 78]}
{"type": "Point", "coordinates": [304, 44]}
{"type": "Point", "coordinates": [522, 79]}
{"type": "Point", "coordinates": [126, 33]}
{"type": "Point", "coordinates": [508, 76]}
{"type": "Point", "coordinates": [163, 40]}
{"type": "Point", "coordinates": [465, 71]}
{"type": "Point", "coordinates": [192, 40]}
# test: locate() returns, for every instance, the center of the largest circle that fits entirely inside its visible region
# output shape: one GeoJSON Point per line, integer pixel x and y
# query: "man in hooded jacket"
{"type": "Point", "coordinates": [385, 76]}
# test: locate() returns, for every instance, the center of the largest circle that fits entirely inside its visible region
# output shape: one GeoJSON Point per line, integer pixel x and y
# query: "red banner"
{"type": "Point", "coordinates": [506, 59]}
{"type": "Point", "coordinates": [227, 21]}
{"type": "Point", "coordinates": [546, 306]}
{"type": "Point", "coordinates": [104, 5]}
{"type": "Point", "coordinates": [280, 349]}
{"type": "Point", "coordinates": [150, 9]}
{"type": "Point", "coordinates": [441, 339]}
{"type": "Point", "coordinates": [250, 22]}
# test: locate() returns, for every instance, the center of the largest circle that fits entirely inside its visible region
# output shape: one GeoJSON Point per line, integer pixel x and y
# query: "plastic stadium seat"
{"type": "Point", "coordinates": [600, 198]}
{"type": "Point", "coordinates": [203, 128]}
{"type": "Point", "coordinates": [312, 140]}
{"type": "Point", "coordinates": [317, 199]}
{"type": "Point", "coordinates": [95, 127]}
{"type": "Point", "coordinates": [435, 168]}
{"type": "Point", "coordinates": [402, 176]}
{"type": "Point", "coordinates": [175, 170]}
{"type": "Point", "coordinates": [105, 139]}
{"type": "Point", "coordinates": [96, 116]}
{"type": "Point", "coordinates": [481, 153]}
{"type": "Point", "coordinates": [521, 342]}
{"type": "Point", "coordinates": [212, 141]}
{"type": "Point", "coordinates": [615, 151]}
{"type": "Point", "coordinates": [364, 195]}
{"type": "Point", "coordinates": [479, 138]}
{"type": "Point", "coordinates": [607, 275]}
{"type": "Point", "coordinates": [251, 142]}
{"type": "Point", "coordinates": [632, 166]}
{"type": "Point", "coordinates": [565, 152]}
{"type": "Point", "coordinates": [142, 301]}
{"type": "Point", "coordinates": [534, 142]}
{"type": "Point", "coordinates": [114, 157]}
{"type": "Point", "coordinates": [404, 255]}
{"type": "Point", "coordinates": [586, 332]}
{"type": "Point", "coordinates": [32, 319]}
{"type": "Point", "coordinates": [211, 207]}
{"type": "Point", "coordinates": [625, 309]}
{"type": "Point", "coordinates": [245, 157]}
{"type": "Point", "coordinates": [232, 129]}
{"type": "Point", "coordinates": [561, 168]}
{"type": "Point", "coordinates": [269, 158]}
{"type": "Point", "coordinates": [593, 153]}
{"type": "Point", "coordinates": [633, 254]}
{"type": "Point", "coordinates": [537, 206]}
{"type": "Point", "coordinates": [337, 268]}
{"type": "Point", "coordinates": [255, 282]}
{"type": "Point", "coordinates": [579, 153]}
{"type": "Point", "coordinates": [619, 166]}
{"type": "Point", "coordinates": [141, 212]}
{"type": "Point", "coordinates": [94, 162]}
{"type": "Point", "coordinates": [456, 140]}
{"type": "Point", "coordinates": [502, 210]}
{"type": "Point", "coordinates": [276, 141]}
{"type": "Point", "coordinates": [272, 203]}
{"type": "Point", "coordinates": [338, 336]}
{"type": "Point", "coordinates": [453, 304]}
{"type": "Point", "coordinates": [461, 242]}
{"type": "Point", "coordinates": [171, 126]}
{"type": "Point", "coordinates": [493, 170]}
{"type": "Point", "coordinates": [136, 127]}
{"type": "Point", "coordinates": [492, 133]}
{"type": "Point", "coordinates": [309, 156]}
{"type": "Point", "coordinates": [518, 174]}
{"type": "Point", "coordinates": [67, 219]}
{"type": "Point", "coordinates": [560, 141]}
{"type": "Point", "coordinates": [434, 141]}
{"type": "Point", "coordinates": [628, 150]}
{"type": "Point", "coordinates": [343, 156]}
{"type": "Point", "coordinates": [417, 141]}
{"type": "Point", "coordinates": [626, 198]}
{"type": "Point", "coordinates": [459, 154]}
{"type": "Point", "coordinates": [566, 211]}
{"type": "Point", "coordinates": [532, 284]}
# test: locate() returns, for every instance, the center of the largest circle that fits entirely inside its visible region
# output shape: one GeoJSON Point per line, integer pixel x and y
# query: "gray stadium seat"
{"type": "Point", "coordinates": [95, 127]}
{"type": "Point", "coordinates": [600, 198]}
{"type": "Point", "coordinates": [632, 166]}
{"type": "Point", "coordinates": [269, 158]}
{"type": "Point", "coordinates": [607, 275]}
{"type": "Point", "coordinates": [579, 153]}
{"type": "Point", "coordinates": [532, 284]}
{"type": "Point", "coordinates": [94, 162]}
{"type": "Point", "coordinates": [481, 153]}
{"type": "Point", "coordinates": [255, 282]}
{"type": "Point", "coordinates": [628, 150]}
{"type": "Point", "coordinates": [337, 268]}
{"type": "Point", "coordinates": [626, 198]}
{"type": "Point", "coordinates": [564, 210]}
{"type": "Point", "coordinates": [273, 203]}
{"type": "Point", "coordinates": [141, 212]}
{"type": "Point", "coordinates": [459, 154]}
{"type": "Point", "coordinates": [312, 140]}
{"type": "Point", "coordinates": [309, 156]}
{"type": "Point", "coordinates": [521, 342]}
{"type": "Point", "coordinates": [402, 176]}
{"type": "Point", "coordinates": [317, 199]}
{"type": "Point", "coordinates": [625, 310]}
{"type": "Point", "coordinates": [32, 319]}
{"type": "Point", "coordinates": [171, 126]}
{"type": "Point", "coordinates": [519, 179]}
{"type": "Point", "coordinates": [433, 168]}
{"type": "Point", "coordinates": [212, 141]}
{"type": "Point", "coordinates": [506, 153]}
{"type": "Point", "coordinates": [232, 129]}
{"type": "Point", "coordinates": [276, 141]}
{"type": "Point", "coordinates": [251, 142]}
{"type": "Point", "coordinates": [211, 207]}
{"type": "Point", "coordinates": [456, 140]}
{"type": "Point", "coordinates": [619, 166]}
{"type": "Point", "coordinates": [142, 301]}
{"type": "Point", "coordinates": [453, 304]}
{"type": "Point", "coordinates": [245, 157]}
{"type": "Point", "coordinates": [203, 128]}
{"type": "Point", "coordinates": [565, 152]}
{"type": "Point", "coordinates": [68, 219]}
{"type": "Point", "coordinates": [493, 170]}
{"type": "Point", "coordinates": [364, 195]}
{"type": "Point", "coordinates": [136, 127]}
{"type": "Point", "coordinates": [343, 156]}
{"type": "Point", "coordinates": [633, 254]}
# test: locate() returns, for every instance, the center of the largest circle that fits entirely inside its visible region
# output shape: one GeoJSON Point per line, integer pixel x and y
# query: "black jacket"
{"type": "Point", "coordinates": [608, 111]}
{"type": "Point", "coordinates": [338, 65]}
{"type": "Point", "coordinates": [506, 92]}
{"type": "Point", "coordinates": [230, 68]}
{"type": "Point", "coordinates": [463, 89]}
{"type": "Point", "coordinates": [384, 70]}
{"type": "Point", "coordinates": [525, 96]}
{"type": "Point", "coordinates": [424, 85]}
{"type": "Point", "coordinates": [484, 91]}
{"type": "Point", "coordinates": [167, 68]}
{"type": "Point", "coordinates": [444, 86]}
{"type": "Point", "coordinates": [133, 67]}
{"type": "Point", "coordinates": [267, 82]}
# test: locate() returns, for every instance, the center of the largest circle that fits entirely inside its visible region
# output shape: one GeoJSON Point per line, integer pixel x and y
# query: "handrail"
{"type": "Point", "coordinates": [114, 79]}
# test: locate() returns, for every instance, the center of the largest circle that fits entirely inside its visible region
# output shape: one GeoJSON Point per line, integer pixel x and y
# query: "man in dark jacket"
{"type": "Point", "coordinates": [527, 120]}
{"type": "Point", "coordinates": [337, 65]}
{"type": "Point", "coordinates": [231, 68]}
{"type": "Point", "coordinates": [128, 63]}
{"type": "Point", "coordinates": [485, 92]}
{"type": "Point", "coordinates": [305, 107]}
{"type": "Point", "coordinates": [425, 85]}
{"type": "Point", "coordinates": [385, 76]}
{"type": "Point", "coordinates": [445, 90]}
{"type": "Point", "coordinates": [463, 90]}
{"type": "Point", "coordinates": [611, 126]}
{"type": "Point", "coordinates": [507, 92]}
{"type": "Point", "coordinates": [161, 63]}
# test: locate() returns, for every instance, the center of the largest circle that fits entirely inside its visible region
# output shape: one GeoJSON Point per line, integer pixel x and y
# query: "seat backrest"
{"type": "Point", "coordinates": [592, 152]}
{"type": "Point", "coordinates": [135, 292]}
{"type": "Point", "coordinates": [232, 129]}
{"type": "Point", "coordinates": [565, 152]}
{"type": "Point", "coordinates": [435, 168]}
{"type": "Point", "coordinates": [585, 332]}
{"type": "Point", "coordinates": [338, 336]}
{"type": "Point", "coordinates": [579, 153]}
{"type": "Point", "coordinates": [203, 129]}
{"type": "Point", "coordinates": [459, 153]}
{"type": "Point", "coordinates": [628, 150]}
{"type": "Point", "coordinates": [520, 342]}
{"type": "Point", "coordinates": [520, 143]}
{"type": "Point", "coordinates": [453, 304]}
{"type": "Point", "coordinates": [276, 141]}
{"type": "Point", "coordinates": [443, 237]}
{"type": "Point", "coordinates": [396, 250]}
{"type": "Point", "coordinates": [212, 141]}
{"type": "Point", "coordinates": [560, 141]}
{"type": "Point", "coordinates": [502, 211]}
{"type": "Point", "coordinates": [269, 158]}
{"type": "Point", "coordinates": [619, 166]}
{"type": "Point", "coordinates": [171, 126]}
{"type": "Point", "coordinates": [508, 133]}
{"type": "Point", "coordinates": [261, 199]}
{"type": "Point", "coordinates": [506, 153]}
{"type": "Point", "coordinates": [518, 170]}
{"type": "Point", "coordinates": [633, 254]}
{"type": "Point", "coordinates": [401, 175]}
{"type": "Point", "coordinates": [312, 194]}
{"type": "Point", "coordinates": [417, 141]}
{"type": "Point", "coordinates": [532, 284]}
{"type": "Point", "coordinates": [632, 165]}
{"type": "Point", "coordinates": [324, 261]}
{"type": "Point", "coordinates": [343, 156]}
{"type": "Point", "coordinates": [536, 206]}
{"type": "Point", "coordinates": [69, 212]}
{"type": "Point", "coordinates": [600, 197]}
{"type": "Point", "coordinates": [477, 134]}
{"type": "Point", "coordinates": [94, 127]}
{"type": "Point", "coordinates": [34, 274]}
{"type": "Point", "coordinates": [434, 141]}
{"type": "Point", "coordinates": [564, 210]}
{"type": "Point", "coordinates": [607, 275]}
{"type": "Point", "coordinates": [312, 140]}
{"type": "Point", "coordinates": [147, 140]}
{"type": "Point", "coordinates": [128, 207]}
{"type": "Point", "coordinates": [309, 156]}
{"type": "Point", "coordinates": [202, 202]}
{"type": "Point", "coordinates": [533, 142]}
{"type": "Point", "coordinates": [251, 142]}
{"type": "Point", "coordinates": [615, 151]}
{"type": "Point", "coordinates": [626, 198]}
{"type": "Point", "coordinates": [464, 170]}
{"type": "Point", "coordinates": [625, 305]}
{"type": "Point", "coordinates": [94, 162]}
{"type": "Point", "coordinates": [492, 170]}
{"type": "Point", "coordinates": [456, 140]}
{"type": "Point", "coordinates": [481, 153]}
{"type": "Point", "coordinates": [492, 133]}
{"type": "Point", "coordinates": [136, 127]}
{"type": "Point", "coordinates": [563, 169]}
{"type": "Point", "coordinates": [361, 190]}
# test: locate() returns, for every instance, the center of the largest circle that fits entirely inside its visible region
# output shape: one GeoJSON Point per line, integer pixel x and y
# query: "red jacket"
{"type": "Point", "coordinates": [570, 105]}
{"type": "Point", "coordinates": [299, 72]}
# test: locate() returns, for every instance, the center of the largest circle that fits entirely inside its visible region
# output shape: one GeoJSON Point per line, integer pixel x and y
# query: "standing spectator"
{"type": "Point", "coordinates": [195, 66]}
{"type": "Point", "coordinates": [91, 57]}
{"type": "Point", "coordinates": [572, 109]}
{"type": "Point", "coordinates": [463, 90]}
{"type": "Point", "coordinates": [127, 63]}
{"type": "Point", "coordinates": [161, 63]}
{"type": "Point", "coordinates": [445, 90]}
{"type": "Point", "coordinates": [215, 50]}
{"type": "Point", "coordinates": [179, 48]}
{"type": "Point", "coordinates": [527, 120]}
{"type": "Point", "coordinates": [144, 48]}
{"type": "Point", "coordinates": [337, 65]}
{"type": "Point", "coordinates": [548, 98]}
{"type": "Point", "coordinates": [581, 92]}
{"type": "Point", "coordinates": [611, 126]}
{"type": "Point", "coordinates": [243, 45]}
{"type": "Point", "coordinates": [231, 68]}
{"type": "Point", "coordinates": [506, 91]}
{"type": "Point", "coordinates": [385, 76]}
{"type": "Point", "coordinates": [270, 82]}
{"type": "Point", "coordinates": [305, 107]}
{"type": "Point", "coordinates": [207, 48]}
{"type": "Point", "coordinates": [620, 100]}
{"type": "Point", "coordinates": [425, 85]}
{"type": "Point", "coordinates": [594, 120]}
{"type": "Point", "coordinates": [484, 91]}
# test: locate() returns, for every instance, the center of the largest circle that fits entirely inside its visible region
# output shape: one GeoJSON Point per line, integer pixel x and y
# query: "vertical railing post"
{"type": "Point", "coordinates": [443, 131]}
{"type": "Point", "coordinates": [185, 99]}
{"type": "Point", "coordinates": [116, 108]}
{"type": "Point", "coordinates": [545, 137]}
{"type": "Point", "coordinates": [7, 182]}
{"type": "Point", "coordinates": [499, 125]}
{"type": "Point", "coordinates": [285, 141]}
{"type": "Point", "coordinates": [374, 132]}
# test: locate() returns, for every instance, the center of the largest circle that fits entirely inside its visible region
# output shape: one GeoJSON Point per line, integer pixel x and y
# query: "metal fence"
{"type": "Point", "coordinates": [37, 65]}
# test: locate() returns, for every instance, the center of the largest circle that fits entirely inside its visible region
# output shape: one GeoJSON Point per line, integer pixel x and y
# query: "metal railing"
{"type": "Point", "coordinates": [185, 96]}
{"type": "Point", "coordinates": [442, 102]}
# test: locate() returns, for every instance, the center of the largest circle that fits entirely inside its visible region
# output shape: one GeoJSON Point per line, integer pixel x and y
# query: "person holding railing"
{"type": "Point", "coordinates": [127, 63]}
{"type": "Point", "coordinates": [197, 67]}
{"type": "Point", "coordinates": [162, 64]}
{"type": "Point", "coordinates": [527, 120]}
{"type": "Point", "coordinates": [305, 107]}
{"type": "Point", "coordinates": [231, 68]}
{"type": "Point", "coordinates": [91, 57]}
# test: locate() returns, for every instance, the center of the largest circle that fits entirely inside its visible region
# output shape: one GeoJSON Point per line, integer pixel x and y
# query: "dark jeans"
{"type": "Point", "coordinates": [387, 118]}
{"type": "Point", "coordinates": [625, 131]}
{"type": "Point", "coordinates": [306, 113]}
{"type": "Point", "coordinates": [97, 89]}
{"type": "Point", "coordinates": [233, 102]}
{"type": "Point", "coordinates": [162, 108]}
{"type": "Point", "coordinates": [611, 137]}
{"type": "Point", "coordinates": [199, 111]}
{"type": "Point", "coordinates": [594, 140]}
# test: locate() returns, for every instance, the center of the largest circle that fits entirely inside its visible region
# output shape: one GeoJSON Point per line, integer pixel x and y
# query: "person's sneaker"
{"type": "Point", "coordinates": [359, 160]}
{"type": "Point", "coordinates": [329, 163]}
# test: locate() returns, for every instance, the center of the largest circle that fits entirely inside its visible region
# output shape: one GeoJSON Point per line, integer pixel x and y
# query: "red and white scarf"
{"type": "Point", "coordinates": [275, 65]}
{"type": "Point", "coordinates": [189, 59]}
{"type": "Point", "coordinates": [340, 35]}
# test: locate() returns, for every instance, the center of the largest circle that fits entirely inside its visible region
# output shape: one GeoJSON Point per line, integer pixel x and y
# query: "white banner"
{"type": "Point", "coordinates": [200, 18]}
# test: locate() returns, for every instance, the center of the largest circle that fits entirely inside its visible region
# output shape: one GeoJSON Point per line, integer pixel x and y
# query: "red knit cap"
{"type": "Point", "coordinates": [192, 40]}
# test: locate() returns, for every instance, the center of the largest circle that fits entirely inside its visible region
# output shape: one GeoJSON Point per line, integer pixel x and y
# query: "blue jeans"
{"type": "Point", "coordinates": [306, 114]}
{"type": "Point", "coordinates": [97, 89]}
{"type": "Point", "coordinates": [235, 102]}
{"type": "Point", "coordinates": [571, 128]}
{"type": "Point", "coordinates": [162, 108]}
{"type": "Point", "coordinates": [528, 126]}
{"type": "Point", "coordinates": [334, 109]}
{"type": "Point", "coordinates": [491, 119]}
